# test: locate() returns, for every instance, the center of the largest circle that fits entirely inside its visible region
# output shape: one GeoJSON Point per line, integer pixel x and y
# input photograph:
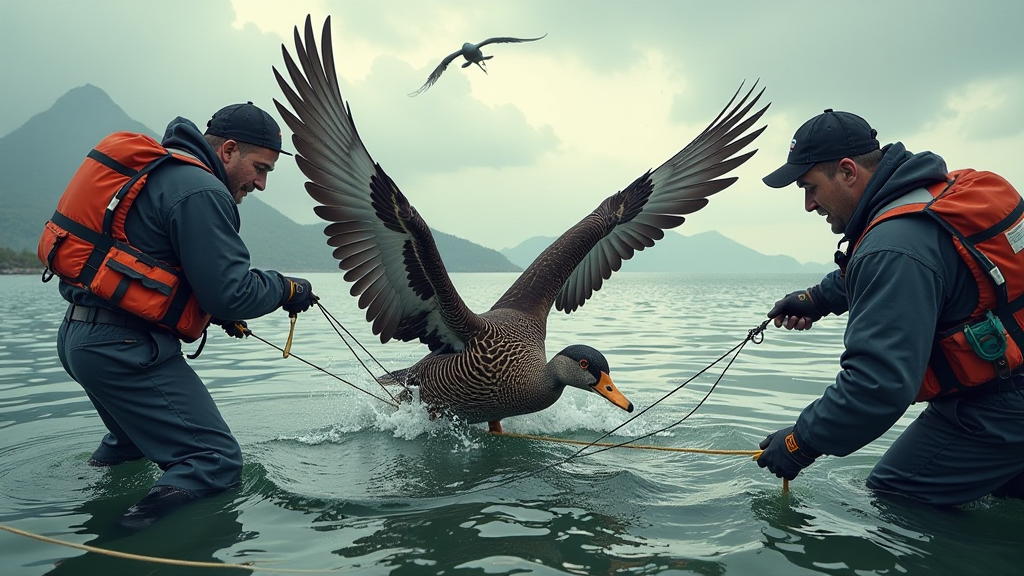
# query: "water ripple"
{"type": "Point", "coordinates": [336, 479]}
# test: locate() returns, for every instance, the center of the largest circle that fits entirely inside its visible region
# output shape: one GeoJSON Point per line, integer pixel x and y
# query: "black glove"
{"type": "Point", "coordinates": [233, 328]}
{"type": "Point", "coordinates": [785, 454]}
{"type": "Point", "coordinates": [236, 329]}
{"type": "Point", "coordinates": [298, 295]}
{"type": "Point", "coordinates": [801, 304]}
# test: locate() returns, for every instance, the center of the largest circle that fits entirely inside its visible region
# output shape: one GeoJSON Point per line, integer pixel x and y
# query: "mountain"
{"type": "Point", "coordinates": [464, 256]}
{"type": "Point", "coordinates": [527, 250]}
{"type": "Point", "coordinates": [707, 252]}
{"type": "Point", "coordinates": [38, 159]}
{"type": "Point", "coordinates": [278, 243]}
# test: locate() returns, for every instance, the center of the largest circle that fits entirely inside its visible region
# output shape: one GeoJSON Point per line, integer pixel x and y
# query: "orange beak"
{"type": "Point", "coordinates": [607, 389]}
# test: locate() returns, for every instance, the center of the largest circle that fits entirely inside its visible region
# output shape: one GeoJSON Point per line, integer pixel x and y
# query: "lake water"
{"type": "Point", "coordinates": [336, 481]}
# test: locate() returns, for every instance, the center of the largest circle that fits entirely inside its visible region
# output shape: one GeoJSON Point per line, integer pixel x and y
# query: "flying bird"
{"type": "Point", "coordinates": [483, 367]}
{"type": "Point", "coordinates": [472, 54]}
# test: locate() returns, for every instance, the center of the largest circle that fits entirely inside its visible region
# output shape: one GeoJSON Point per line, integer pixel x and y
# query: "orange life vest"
{"type": "Point", "coordinates": [984, 215]}
{"type": "Point", "coordinates": [84, 242]}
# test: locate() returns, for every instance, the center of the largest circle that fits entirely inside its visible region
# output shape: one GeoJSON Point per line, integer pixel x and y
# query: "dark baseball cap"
{"type": "Point", "coordinates": [828, 136]}
{"type": "Point", "coordinates": [246, 123]}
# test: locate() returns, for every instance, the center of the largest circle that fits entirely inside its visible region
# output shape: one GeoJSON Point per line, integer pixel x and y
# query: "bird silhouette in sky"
{"type": "Point", "coordinates": [472, 54]}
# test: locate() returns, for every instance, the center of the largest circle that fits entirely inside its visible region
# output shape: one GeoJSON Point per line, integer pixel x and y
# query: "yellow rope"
{"type": "Point", "coordinates": [291, 332]}
{"type": "Point", "coordinates": [754, 453]}
{"type": "Point", "coordinates": [154, 559]}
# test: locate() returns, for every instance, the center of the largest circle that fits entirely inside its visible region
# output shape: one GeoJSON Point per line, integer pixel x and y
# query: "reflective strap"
{"type": "Point", "coordinates": [915, 196]}
{"type": "Point", "coordinates": [180, 152]}
{"type": "Point", "coordinates": [997, 276]}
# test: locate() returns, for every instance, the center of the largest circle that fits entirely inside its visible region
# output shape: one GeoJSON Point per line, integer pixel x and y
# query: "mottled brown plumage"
{"type": "Point", "coordinates": [488, 366]}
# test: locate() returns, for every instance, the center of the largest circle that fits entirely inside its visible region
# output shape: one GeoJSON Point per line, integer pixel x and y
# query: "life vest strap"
{"type": "Point", "coordinates": [980, 259]}
{"type": "Point", "coordinates": [1000, 228]}
{"type": "Point", "coordinates": [104, 316]}
{"type": "Point", "coordinates": [102, 244]}
{"type": "Point", "coordinates": [942, 369]}
{"type": "Point", "coordinates": [1007, 315]}
{"type": "Point", "coordinates": [111, 163]}
{"type": "Point", "coordinates": [178, 305]}
{"type": "Point", "coordinates": [133, 179]}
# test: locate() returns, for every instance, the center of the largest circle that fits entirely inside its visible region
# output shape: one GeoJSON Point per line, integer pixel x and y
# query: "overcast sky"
{"type": "Point", "coordinates": [559, 124]}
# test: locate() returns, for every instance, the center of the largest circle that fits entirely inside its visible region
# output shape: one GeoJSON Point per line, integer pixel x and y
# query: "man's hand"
{"type": "Point", "coordinates": [785, 454]}
{"type": "Point", "coordinates": [298, 295]}
{"type": "Point", "coordinates": [236, 329]}
{"type": "Point", "coordinates": [797, 310]}
{"type": "Point", "coordinates": [233, 328]}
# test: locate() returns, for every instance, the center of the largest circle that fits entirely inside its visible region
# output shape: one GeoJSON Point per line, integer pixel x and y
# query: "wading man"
{"type": "Point", "coordinates": [932, 282]}
{"type": "Point", "coordinates": [145, 242]}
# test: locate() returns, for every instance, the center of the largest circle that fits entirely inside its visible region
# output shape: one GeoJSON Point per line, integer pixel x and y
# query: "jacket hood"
{"type": "Point", "coordinates": [898, 173]}
{"type": "Point", "coordinates": [182, 134]}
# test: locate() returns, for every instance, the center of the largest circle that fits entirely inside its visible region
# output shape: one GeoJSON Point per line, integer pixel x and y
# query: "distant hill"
{"type": "Point", "coordinates": [464, 256]}
{"type": "Point", "coordinates": [38, 159]}
{"type": "Point", "coordinates": [278, 243]}
{"type": "Point", "coordinates": [707, 252]}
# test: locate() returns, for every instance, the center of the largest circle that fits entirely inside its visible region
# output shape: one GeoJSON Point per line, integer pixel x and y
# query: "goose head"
{"type": "Point", "coordinates": [583, 367]}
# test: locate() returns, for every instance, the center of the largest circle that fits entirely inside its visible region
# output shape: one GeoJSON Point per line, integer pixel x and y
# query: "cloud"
{"type": "Point", "coordinates": [444, 129]}
{"type": "Point", "coordinates": [614, 89]}
{"type": "Point", "coordinates": [157, 60]}
{"type": "Point", "coordinates": [987, 109]}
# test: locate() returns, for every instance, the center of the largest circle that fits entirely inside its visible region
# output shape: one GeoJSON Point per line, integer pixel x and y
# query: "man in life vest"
{"type": "Point", "coordinates": [152, 403]}
{"type": "Point", "coordinates": [931, 284]}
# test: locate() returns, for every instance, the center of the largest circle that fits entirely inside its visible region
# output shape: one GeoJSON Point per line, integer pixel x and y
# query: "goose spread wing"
{"type": "Point", "coordinates": [569, 271]}
{"type": "Point", "coordinates": [380, 240]}
{"type": "Point", "coordinates": [507, 39]}
{"type": "Point", "coordinates": [437, 72]}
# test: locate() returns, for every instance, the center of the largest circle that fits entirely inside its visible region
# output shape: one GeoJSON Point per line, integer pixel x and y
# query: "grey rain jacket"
{"type": "Point", "coordinates": [903, 282]}
{"type": "Point", "coordinates": [186, 217]}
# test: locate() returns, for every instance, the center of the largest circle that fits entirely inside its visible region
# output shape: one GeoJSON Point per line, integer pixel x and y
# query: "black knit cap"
{"type": "Point", "coordinates": [828, 136]}
{"type": "Point", "coordinates": [246, 123]}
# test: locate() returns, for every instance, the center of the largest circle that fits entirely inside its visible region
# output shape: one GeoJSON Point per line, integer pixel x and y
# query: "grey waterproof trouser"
{"type": "Point", "coordinates": [152, 403]}
{"type": "Point", "coordinates": [958, 450]}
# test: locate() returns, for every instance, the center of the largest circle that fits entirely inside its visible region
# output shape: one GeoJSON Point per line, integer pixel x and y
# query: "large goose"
{"type": "Point", "coordinates": [489, 366]}
{"type": "Point", "coordinates": [473, 55]}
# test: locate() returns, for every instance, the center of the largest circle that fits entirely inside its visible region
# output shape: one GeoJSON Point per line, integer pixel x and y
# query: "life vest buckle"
{"type": "Point", "coordinates": [988, 341]}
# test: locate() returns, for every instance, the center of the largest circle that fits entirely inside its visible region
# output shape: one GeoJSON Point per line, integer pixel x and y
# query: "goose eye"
{"type": "Point", "coordinates": [584, 363]}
